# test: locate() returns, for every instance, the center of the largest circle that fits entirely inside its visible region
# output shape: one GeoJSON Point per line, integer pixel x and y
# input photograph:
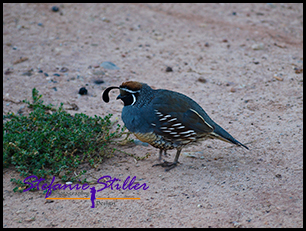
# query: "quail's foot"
{"type": "Point", "coordinates": [167, 165]}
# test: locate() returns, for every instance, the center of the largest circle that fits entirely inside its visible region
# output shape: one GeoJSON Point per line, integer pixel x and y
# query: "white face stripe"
{"type": "Point", "coordinates": [128, 90]}
{"type": "Point", "coordinates": [134, 99]}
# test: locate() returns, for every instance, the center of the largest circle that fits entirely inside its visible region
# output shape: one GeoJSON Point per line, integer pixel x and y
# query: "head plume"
{"type": "Point", "coordinates": [129, 86]}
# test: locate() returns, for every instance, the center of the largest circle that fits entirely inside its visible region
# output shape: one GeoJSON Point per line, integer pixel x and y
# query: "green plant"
{"type": "Point", "coordinates": [50, 141]}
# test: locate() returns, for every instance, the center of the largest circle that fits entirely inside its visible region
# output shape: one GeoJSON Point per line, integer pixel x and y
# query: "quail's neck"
{"type": "Point", "coordinates": [145, 96]}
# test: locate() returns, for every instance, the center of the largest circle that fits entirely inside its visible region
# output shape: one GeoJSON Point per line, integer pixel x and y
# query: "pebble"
{"type": "Point", "coordinates": [258, 46]}
{"type": "Point", "coordinates": [202, 80]}
{"type": "Point", "coordinates": [55, 8]}
{"type": "Point", "coordinates": [83, 91]}
{"type": "Point", "coordinates": [22, 59]}
{"type": "Point", "coordinates": [98, 81]}
{"type": "Point", "coordinates": [46, 74]}
{"type": "Point", "coordinates": [8, 71]}
{"type": "Point", "coordinates": [188, 154]}
{"type": "Point", "coordinates": [279, 176]}
{"type": "Point", "coordinates": [233, 89]}
{"type": "Point", "coordinates": [109, 66]}
{"type": "Point", "coordinates": [298, 70]}
{"type": "Point", "coordinates": [28, 73]}
{"type": "Point", "coordinates": [64, 69]}
{"type": "Point", "coordinates": [169, 69]}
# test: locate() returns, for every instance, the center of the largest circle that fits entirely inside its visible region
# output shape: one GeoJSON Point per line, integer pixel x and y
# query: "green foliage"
{"type": "Point", "coordinates": [50, 142]}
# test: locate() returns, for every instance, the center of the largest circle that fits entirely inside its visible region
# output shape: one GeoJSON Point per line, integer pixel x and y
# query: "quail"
{"type": "Point", "coordinates": [166, 119]}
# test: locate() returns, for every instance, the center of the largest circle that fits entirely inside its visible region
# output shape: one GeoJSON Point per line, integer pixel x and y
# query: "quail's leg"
{"type": "Point", "coordinates": [160, 154]}
{"type": "Point", "coordinates": [170, 165]}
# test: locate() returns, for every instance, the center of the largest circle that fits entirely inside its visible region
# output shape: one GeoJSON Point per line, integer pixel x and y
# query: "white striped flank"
{"type": "Point", "coordinates": [189, 131]}
{"type": "Point", "coordinates": [174, 119]}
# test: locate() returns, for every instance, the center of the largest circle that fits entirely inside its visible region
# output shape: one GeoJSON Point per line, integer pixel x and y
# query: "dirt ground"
{"type": "Point", "coordinates": [243, 63]}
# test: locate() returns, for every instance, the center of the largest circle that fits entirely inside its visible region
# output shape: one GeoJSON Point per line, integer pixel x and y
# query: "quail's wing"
{"type": "Point", "coordinates": [178, 116]}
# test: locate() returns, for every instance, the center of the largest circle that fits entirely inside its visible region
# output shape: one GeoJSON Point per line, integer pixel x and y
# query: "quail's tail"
{"type": "Point", "coordinates": [221, 134]}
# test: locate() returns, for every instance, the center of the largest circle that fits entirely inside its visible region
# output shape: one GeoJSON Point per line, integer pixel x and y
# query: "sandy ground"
{"type": "Point", "coordinates": [241, 62]}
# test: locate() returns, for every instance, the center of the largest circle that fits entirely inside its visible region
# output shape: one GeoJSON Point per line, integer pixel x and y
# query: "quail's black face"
{"type": "Point", "coordinates": [128, 97]}
{"type": "Point", "coordinates": [129, 92]}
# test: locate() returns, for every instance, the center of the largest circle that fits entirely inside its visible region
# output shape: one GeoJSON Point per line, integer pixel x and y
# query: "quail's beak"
{"type": "Point", "coordinates": [119, 97]}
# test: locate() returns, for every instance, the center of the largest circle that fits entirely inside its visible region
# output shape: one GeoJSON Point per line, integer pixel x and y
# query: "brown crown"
{"type": "Point", "coordinates": [131, 85]}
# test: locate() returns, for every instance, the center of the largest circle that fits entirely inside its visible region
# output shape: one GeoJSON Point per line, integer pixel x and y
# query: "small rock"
{"type": "Point", "coordinates": [298, 70]}
{"type": "Point", "coordinates": [233, 89]}
{"type": "Point", "coordinates": [279, 176]}
{"type": "Point", "coordinates": [202, 80]}
{"type": "Point", "coordinates": [8, 71]}
{"type": "Point", "coordinates": [20, 211]}
{"type": "Point", "coordinates": [64, 69]}
{"type": "Point", "coordinates": [28, 73]}
{"type": "Point", "coordinates": [30, 219]}
{"type": "Point", "coordinates": [22, 59]}
{"type": "Point", "coordinates": [258, 46]}
{"type": "Point", "coordinates": [109, 66]}
{"type": "Point", "coordinates": [83, 91]}
{"type": "Point", "coordinates": [98, 81]}
{"type": "Point", "coordinates": [236, 224]}
{"type": "Point", "coordinates": [169, 69]}
{"type": "Point", "coordinates": [277, 77]}
{"type": "Point", "coordinates": [46, 74]}
{"type": "Point", "coordinates": [55, 74]}
{"type": "Point", "coordinates": [55, 8]}
{"type": "Point", "coordinates": [40, 24]}
{"type": "Point", "coordinates": [105, 20]}
{"type": "Point", "coordinates": [199, 206]}
{"type": "Point", "coordinates": [188, 154]}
